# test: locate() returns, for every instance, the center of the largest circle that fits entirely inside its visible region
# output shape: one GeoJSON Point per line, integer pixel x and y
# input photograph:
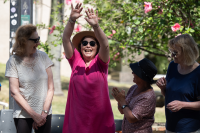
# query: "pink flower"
{"type": "Point", "coordinates": [68, 2]}
{"type": "Point", "coordinates": [77, 1]}
{"type": "Point", "coordinates": [160, 11]}
{"type": "Point", "coordinates": [147, 7]}
{"type": "Point", "coordinates": [176, 27]}
{"type": "Point", "coordinates": [110, 36]}
{"type": "Point", "coordinates": [113, 31]}
{"type": "Point", "coordinates": [191, 24]}
{"type": "Point", "coordinates": [78, 28]}
{"type": "Point", "coordinates": [52, 29]}
{"type": "Point", "coordinates": [116, 57]}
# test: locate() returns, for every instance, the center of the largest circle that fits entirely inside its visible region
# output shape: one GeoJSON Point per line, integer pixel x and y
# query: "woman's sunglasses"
{"type": "Point", "coordinates": [92, 43]}
{"type": "Point", "coordinates": [174, 54]}
{"type": "Point", "coordinates": [35, 40]}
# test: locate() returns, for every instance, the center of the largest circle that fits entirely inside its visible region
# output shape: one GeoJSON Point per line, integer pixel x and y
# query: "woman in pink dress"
{"type": "Point", "coordinates": [139, 105]}
{"type": "Point", "coordinates": [88, 108]}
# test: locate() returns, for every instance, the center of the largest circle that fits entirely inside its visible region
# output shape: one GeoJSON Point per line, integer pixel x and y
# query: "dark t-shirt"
{"type": "Point", "coordinates": [183, 88]}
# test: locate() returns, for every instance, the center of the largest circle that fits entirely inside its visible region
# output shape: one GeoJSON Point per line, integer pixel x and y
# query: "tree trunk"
{"type": "Point", "coordinates": [56, 51]}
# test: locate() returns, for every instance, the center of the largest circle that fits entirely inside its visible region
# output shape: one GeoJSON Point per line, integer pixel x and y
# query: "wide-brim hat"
{"type": "Point", "coordinates": [145, 69]}
{"type": "Point", "coordinates": [79, 36]}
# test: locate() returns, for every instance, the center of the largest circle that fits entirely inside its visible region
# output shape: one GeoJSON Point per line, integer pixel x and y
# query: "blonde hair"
{"type": "Point", "coordinates": [23, 33]}
{"type": "Point", "coordinates": [188, 46]}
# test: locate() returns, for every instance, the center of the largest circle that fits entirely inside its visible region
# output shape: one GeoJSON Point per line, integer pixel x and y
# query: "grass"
{"type": "Point", "coordinates": [59, 102]}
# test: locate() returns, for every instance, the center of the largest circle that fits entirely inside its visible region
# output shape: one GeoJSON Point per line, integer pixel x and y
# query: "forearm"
{"type": "Point", "coordinates": [129, 116]}
{"type": "Point", "coordinates": [66, 39]}
{"type": "Point", "coordinates": [103, 41]}
{"type": "Point", "coordinates": [68, 30]}
{"type": "Point", "coordinates": [120, 109]}
{"type": "Point", "coordinates": [128, 113]}
{"type": "Point", "coordinates": [48, 99]}
{"type": "Point", "coordinates": [23, 103]}
{"type": "Point", "coordinates": [100, 35]}
{"type": "Point", "coordinates": [191, 105]}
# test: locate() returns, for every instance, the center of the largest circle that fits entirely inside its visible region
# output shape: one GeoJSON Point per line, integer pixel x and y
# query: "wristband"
{"type": "Point", "coordinates": [96, 26]}
{"type": "Point", "coordinates": [0, 84]}
{"type": "Point", "coordinates": [71, 21]}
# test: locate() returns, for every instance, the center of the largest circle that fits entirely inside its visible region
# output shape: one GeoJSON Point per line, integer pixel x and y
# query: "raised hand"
{"type": "Point", "coordinates": [92, 18]}
{"type": "Point", "coordinates": [75, 12]}
{"type": "Point", "coordinates": [161, 83]}
{"type": "Point", "coordinates": [119, 95]}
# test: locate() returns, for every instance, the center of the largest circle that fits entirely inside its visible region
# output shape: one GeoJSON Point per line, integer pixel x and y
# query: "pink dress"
{"type": "Point", "coordinates": [88, 108]}
{"type": "Point", "coordinates": [143, 108]}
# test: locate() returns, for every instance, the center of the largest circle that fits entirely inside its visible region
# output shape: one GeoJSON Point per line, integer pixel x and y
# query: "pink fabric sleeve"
{"type": "Point", "coordinates": [102, 64]}
{"type": "Point", "coordinates": [144, 106]}
{"type": "Point", "coordinates": [75, 57]}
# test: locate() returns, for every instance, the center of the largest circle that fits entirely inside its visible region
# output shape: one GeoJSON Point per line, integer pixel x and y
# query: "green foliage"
{"type": "Point", "coordinates": [137, 31]}
{"type": "Point", "coordinates": [5, 1]}
{"type": "Point", "coordinates": [59, 28]}
{"type": "Point", "coordinates": [149, 32]}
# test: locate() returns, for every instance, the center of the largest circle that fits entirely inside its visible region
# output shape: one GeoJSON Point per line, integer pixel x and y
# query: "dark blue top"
{"type": "Point", "coordinates": [183, 88]}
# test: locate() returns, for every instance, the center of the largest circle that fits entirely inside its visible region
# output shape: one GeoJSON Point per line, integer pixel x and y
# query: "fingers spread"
{"type": "Point", "coordinates": [97, 13]}
{"type": "Point", "coordinates": [77, 5]}
{"type": "Point", "coordinates": [92, 11]}
{"type": "Point", "coordinates": [80, 5]}
{"type": "Point", "coordinates": [80, 9]}
{"type": "Point", "coordinates": [87, 13]}
{"type": "Point", "coordinates": [72, 6]}
{"type": "Point", "coordinates": [89, 10]}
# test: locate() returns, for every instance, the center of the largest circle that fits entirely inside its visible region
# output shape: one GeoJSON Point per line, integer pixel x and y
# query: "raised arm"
{"type": "Point", "coordinates": [92, 19]}
{"type": "Point", "coordinates": [67, 44]}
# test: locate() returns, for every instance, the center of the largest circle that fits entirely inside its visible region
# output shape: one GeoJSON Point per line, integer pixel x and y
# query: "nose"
{"type": "Point", "coordinates": [88, 45]}
{"type": "Point", "coordinates": [38, 43]}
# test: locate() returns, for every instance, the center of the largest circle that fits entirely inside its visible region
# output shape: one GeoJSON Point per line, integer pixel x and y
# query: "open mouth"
{"type": "Point", "coordinates": [88, 51]}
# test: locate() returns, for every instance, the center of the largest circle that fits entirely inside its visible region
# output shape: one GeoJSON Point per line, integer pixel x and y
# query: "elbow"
{"type": "Point", "coordinates": [14, 95]}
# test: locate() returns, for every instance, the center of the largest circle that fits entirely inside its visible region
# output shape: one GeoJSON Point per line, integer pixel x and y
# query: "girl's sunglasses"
{"type": "Point", "coordinates": [92, 43]}
{"type": "Point", "coordinates": [35, 40]}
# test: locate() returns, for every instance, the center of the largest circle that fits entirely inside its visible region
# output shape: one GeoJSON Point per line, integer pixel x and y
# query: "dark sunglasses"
{"type": "Point", "coordinates": [174, 54]}
{"type": "Point", "coordinates": [35, 40]}
{"type": "Point", "coordinates": [92, 43]}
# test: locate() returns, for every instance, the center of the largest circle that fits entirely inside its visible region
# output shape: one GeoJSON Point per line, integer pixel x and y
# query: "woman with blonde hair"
{"type": "Point", "coordinates": [181, 87]}
{"type": "Point", "coordinates": [30, 82]}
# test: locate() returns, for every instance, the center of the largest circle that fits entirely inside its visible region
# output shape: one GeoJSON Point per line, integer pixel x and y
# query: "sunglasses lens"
{"type": "Point", "coordinates": [84, 43]}
{"type": "Point", "coordinates": [92, 43]}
